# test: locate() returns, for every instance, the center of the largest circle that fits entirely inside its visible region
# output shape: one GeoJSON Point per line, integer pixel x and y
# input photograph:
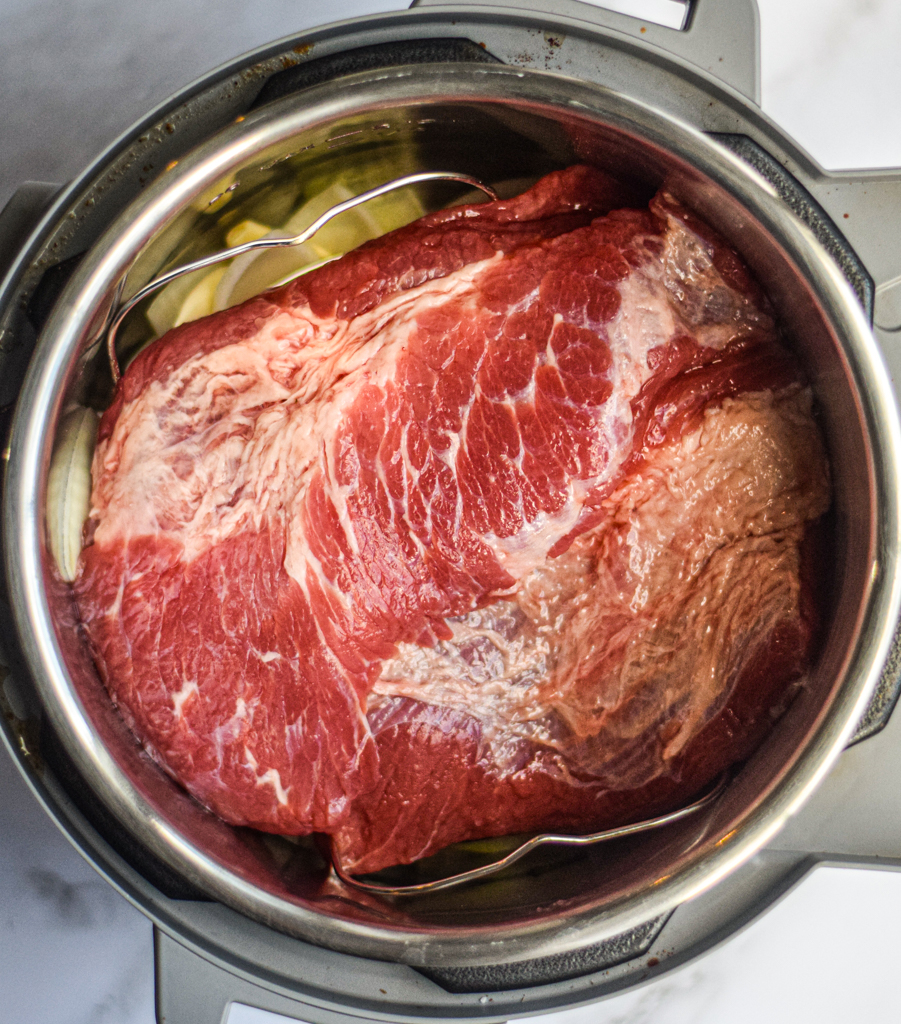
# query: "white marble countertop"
{"type": "Point", "coordinates": [75, 73]}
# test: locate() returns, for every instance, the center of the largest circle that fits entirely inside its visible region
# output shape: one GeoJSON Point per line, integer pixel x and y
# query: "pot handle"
{"type": "Point", "coordinates": [191, 989]}
{"type": "Point", "coordinates": [855, 815]}
{"type": "Point", "coordinates": [722, 37]}
{"type": "Point", "coordinates": [867, 206]}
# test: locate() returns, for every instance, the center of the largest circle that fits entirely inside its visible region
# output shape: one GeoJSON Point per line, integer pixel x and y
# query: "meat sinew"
{"type": "Point", "coordinates": [496, 524]}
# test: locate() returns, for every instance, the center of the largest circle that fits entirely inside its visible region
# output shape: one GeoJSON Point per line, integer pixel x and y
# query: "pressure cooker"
{"type": "Point", "coordinates": [499, 90]}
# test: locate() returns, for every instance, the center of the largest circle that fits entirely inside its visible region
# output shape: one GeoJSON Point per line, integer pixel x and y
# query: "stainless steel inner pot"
{"type": "Point", "coordinates": [499, 123]}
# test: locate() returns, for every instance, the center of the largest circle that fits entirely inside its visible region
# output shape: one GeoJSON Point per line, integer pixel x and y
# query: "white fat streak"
{"type": "Point", "coordinates": [527, 549]}
{"type": "Point", "coordinates": [549, 353]}
{"type": "Point", "coordinates": [752, 472]}
{"type": "Point", "coordinates": [644, 321]}
{"type": "Point", "coordinates": [440, 674]}
{"type": "Point", "coordinates": [410, 481]}
{"type": "Point", "coordinates": [339, 493]}
{"type": "Point", "coordinates": [294, 735]}
{"type": "Point", "coordinates": [178, 699]}
{"type": "Point", "coordinates": [230, 729]}
{"type": "Point", "coordinates": [272, 778]}
{"type": "Point", "coordinates": [410, 475]}
{"type": "Point", "coordinates": [388, 334]}
{"type": "Point", "coordinates": [172, 468]}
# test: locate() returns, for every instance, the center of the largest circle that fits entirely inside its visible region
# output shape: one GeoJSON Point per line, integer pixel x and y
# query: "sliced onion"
{"type": "Point", "coordinates": [199, 300]}
{"type": "Point", "coordinates": [254, 272]}
{"type": "Point", "coordinates": [166, 304]}
{"type": "Point", "coordinates": [345, 232]}
{"type": "Point", "coordinates": [196, 295]}
{"type": "Point", "coordinates": [69, 488]}
{"type": "Point", "coordinates": [246, 231]}
{"type": "Point", "coordinates": [186, 298]}
{"type": "Point", "coordinates": [394, 210]}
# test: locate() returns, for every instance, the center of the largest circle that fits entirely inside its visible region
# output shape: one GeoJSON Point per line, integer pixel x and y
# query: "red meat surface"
{"type": "Point", "coordinates": [494, 524]}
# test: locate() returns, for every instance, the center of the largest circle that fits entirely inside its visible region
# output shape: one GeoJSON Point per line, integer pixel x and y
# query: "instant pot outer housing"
{"type": "Point", "coordinates": [501, 94]}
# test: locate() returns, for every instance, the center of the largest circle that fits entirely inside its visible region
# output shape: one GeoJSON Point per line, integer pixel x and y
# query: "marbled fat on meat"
{"type": "Point", "coordinates": [495, 524]}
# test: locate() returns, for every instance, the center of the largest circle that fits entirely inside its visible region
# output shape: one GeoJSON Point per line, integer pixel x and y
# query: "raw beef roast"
{"type": "Point", "coordinates": [496, 524]}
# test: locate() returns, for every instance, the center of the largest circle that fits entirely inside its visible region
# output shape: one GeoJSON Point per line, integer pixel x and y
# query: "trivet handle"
{"type": "Point", "coordinates": [722, 37]}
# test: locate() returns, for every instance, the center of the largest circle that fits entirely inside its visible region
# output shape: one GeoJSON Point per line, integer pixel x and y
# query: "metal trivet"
{"type": "Point", "coordinates": [123, 309]}
{"type": "Point", "coordinates": [545, 839]}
